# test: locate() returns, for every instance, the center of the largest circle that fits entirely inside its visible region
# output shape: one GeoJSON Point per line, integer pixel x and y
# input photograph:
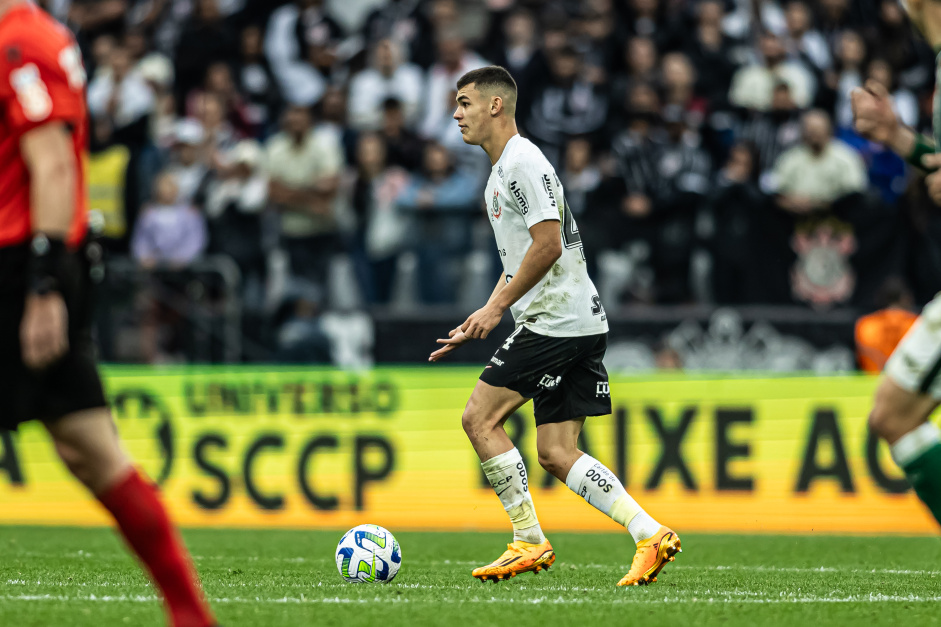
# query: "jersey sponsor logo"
{"type": "Point", "coordinates": [497, 483]}
{"type": "Point", "coordinates": [31, 92]}
{"type": "Point", "coordinates": [549, 382]}
{"type": "Point", "coordinates": [603, 388]}
{"type": "Point", "coordinates": [495, 209]}
{"type": "Point", "coordinates": [498, 362]}
{"type": "Point", "coordinates": [521, 469]}
{"type": "Point", "coordinates": [602, 476]}
{"type": "Point", "coordinates": [548, 187]}
{"type": "Point", "coordinates": [520, 198]}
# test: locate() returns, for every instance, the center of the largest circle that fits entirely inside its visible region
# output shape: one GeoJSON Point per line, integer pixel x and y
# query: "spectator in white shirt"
{"type": "Point", "coordinates": [802, 39]}
{"type": "Point", "coordinates": [119, 95]}
{"type": "Point", "coordinates": [303, 167]}
{"type": "Point", "coordinates": [236, 197]}
{"type": "Point", "coordinates": [819, 171]}
{"type": "Point", "coordinates": [753, 85]}
{"type": "Point", "coordinates": [387, 78]}
{"type": "Point", "coordinates": [188, 164]}
{"type": "Point", "coordinates": [454, 60]}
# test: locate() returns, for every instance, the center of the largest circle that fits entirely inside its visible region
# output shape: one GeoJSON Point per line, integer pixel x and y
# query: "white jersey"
{"type": "Point", "coordinates": [524, 190]}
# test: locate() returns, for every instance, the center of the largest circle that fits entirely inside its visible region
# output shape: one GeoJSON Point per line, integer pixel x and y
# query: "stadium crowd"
{"type": "Point", "coordinates": [706, 147]}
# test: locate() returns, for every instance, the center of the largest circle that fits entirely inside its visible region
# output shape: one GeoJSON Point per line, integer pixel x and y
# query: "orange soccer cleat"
{"type": "Point", "coordinates": [651, 556]}
{"type": "Point", "coordinates": [520, 557]}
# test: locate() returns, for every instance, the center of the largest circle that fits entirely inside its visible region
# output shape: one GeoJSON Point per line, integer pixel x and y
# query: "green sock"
{"type": "Point", "coordinates": [924, 473]}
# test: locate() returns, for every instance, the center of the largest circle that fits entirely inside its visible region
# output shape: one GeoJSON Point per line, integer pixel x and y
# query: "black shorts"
{"type": "Point", "coordinates": [72, 384]}
{"type": "Point", "coordinates": [565, 376]}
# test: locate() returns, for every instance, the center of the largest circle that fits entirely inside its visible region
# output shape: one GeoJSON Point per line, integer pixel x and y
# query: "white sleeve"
{"type": "Point", "coordinates": [299, 81]}
{"type": "Point", "coordinates": [532, 193]}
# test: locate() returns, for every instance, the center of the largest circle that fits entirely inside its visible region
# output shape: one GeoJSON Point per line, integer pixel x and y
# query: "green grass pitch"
{"type": "Point", "coordinates": [83, 577]}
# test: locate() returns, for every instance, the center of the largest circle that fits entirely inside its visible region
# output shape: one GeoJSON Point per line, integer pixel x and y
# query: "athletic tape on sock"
{"type": "Point", "coordinates": [507, 475]}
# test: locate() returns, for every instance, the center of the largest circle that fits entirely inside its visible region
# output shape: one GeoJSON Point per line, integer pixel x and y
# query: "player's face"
{"type": "Point", "coordinates": [472, 115]}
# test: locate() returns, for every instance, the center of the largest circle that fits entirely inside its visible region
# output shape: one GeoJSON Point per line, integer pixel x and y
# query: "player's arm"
{"type": "Point", "coordinates": [456, 335]}
{"type": "Point", "coordinates": [541, 256]}
{"type": "Point", "coordinates": [50, 159]}
{"type": "Point", "coordinates": [501, 283]}
{"type": "Point", "coordinates": [539, 259]}
{"type": "Point", "coordinates": [875, 120]}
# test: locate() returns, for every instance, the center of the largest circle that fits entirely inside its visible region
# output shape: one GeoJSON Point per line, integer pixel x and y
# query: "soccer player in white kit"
{"type": "Point", "coordinates": [554, 356]}
{"type": "Point", "coordinates": [911, 388]}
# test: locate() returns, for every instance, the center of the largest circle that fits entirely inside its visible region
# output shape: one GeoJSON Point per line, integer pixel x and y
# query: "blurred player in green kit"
{"type": "Point", "coordinates": [911, 386]}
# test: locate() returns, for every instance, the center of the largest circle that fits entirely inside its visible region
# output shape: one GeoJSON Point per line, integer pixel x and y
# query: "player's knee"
{"type": "Point", "coordinates": [552, 458]}
{"type": "Point", "coordinates": [889, 417]}
{"type": "Point", "coordinates": [470, 421]}
{"type": "Point", "coordinates": [474, 420]}
{"type": "Point", "coordinates": [879, 417]}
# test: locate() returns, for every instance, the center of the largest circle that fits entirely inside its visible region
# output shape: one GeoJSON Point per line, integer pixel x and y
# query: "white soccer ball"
{"type": "Point", "coordinates": [368, 554]}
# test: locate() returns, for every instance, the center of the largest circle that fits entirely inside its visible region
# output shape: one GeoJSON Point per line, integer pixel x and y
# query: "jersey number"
{"type": "Point", "coordinates": [571, 238]}
{"type": "Point", "coordinates": [31, 92]}
{"type": "Point", "coordinates": [509, 341]}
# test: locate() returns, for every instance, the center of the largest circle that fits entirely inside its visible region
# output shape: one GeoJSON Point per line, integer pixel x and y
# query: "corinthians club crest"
{"type": "Point", "coordinates": [822, 275]}
{"type": "Point", "coordinates": [495, 209]}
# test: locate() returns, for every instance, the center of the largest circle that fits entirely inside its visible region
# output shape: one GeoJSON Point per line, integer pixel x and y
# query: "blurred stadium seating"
{"type": "Point", "coordinates": [305, 150]}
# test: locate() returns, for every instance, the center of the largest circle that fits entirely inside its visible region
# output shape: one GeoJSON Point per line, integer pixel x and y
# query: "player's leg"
{"type": "Point", "coordinates": [483, 419]}
{"type": "Point", "coordinates": [89, 445]}
{"type": "Point", "coordinates": [657, 545]}
{"type": "Point", "coordinates": [904, 401]}
{"type": "Point", "coordinates": [557, 444]}
{"type": "Point", "coordinates": [560, 416]}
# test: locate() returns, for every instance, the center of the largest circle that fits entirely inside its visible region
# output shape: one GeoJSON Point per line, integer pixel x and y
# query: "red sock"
{"type": "Point", "coordinates": [144, 522]}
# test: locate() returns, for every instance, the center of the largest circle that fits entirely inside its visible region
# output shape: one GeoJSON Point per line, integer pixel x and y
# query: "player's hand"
{"type": "Point", "coordinates": [933, 180]}
{"type": "Point", "coordinates": [873, 117]}
{"type": "Point", "coordinates": [44, 331]}
{"type": "Point", "coordinates": [455, 339]}
{"type": "Point", "coordinates": [480, 323]}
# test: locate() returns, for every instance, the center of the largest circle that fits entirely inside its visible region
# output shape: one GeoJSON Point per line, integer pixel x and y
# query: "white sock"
{"type": "Point", "coordinates": [591, 480]}
{"type": "Point", "coordinates": [910, 446]}
{"type": "Point", "coordinates": [507, 476]}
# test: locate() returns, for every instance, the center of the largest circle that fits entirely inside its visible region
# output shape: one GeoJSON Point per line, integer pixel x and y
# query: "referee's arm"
{"type": "Point", "coordinates": [50, 159]}
{"type": "Point", "coordinates": [49, 156]}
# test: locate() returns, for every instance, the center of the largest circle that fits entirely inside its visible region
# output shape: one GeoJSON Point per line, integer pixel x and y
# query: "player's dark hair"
{"type": "Point", "coordinates": [493, 79]}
